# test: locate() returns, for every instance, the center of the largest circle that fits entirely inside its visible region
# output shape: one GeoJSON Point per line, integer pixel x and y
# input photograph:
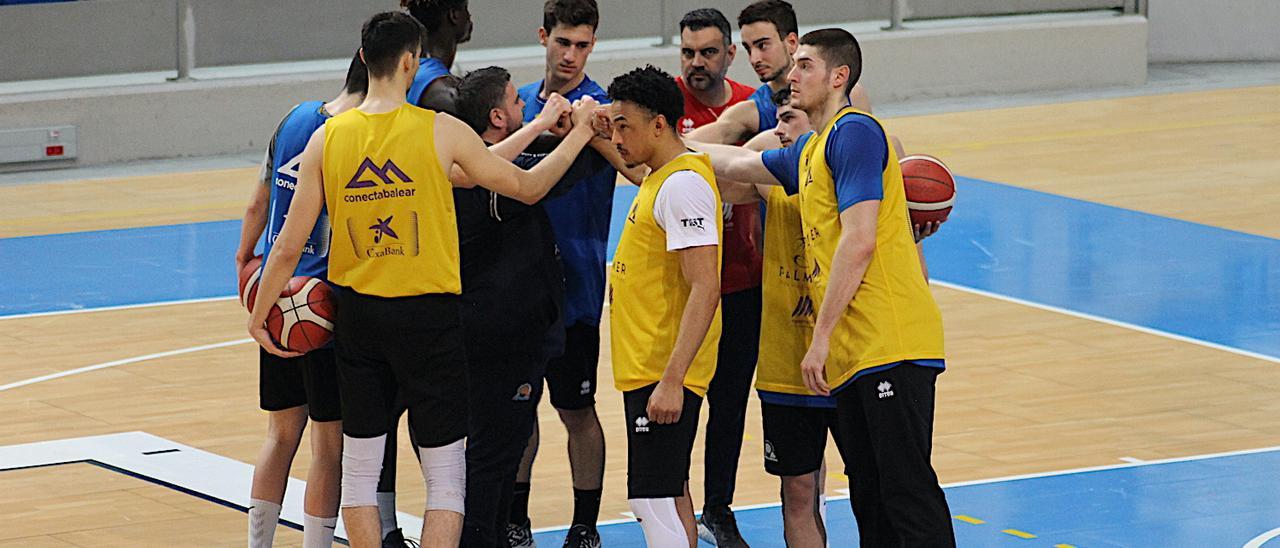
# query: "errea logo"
{"type": "Point", "coordinates": [886, 389]}
{"type": "Point", "coordinates": [642, 425]}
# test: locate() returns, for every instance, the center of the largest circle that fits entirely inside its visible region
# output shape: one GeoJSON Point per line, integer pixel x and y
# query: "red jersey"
{"type": "Point", "coordinates": [743, 260]}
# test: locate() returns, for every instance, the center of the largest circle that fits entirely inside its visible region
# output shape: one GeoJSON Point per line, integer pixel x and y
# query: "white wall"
{"type": "Point", "coordinates": [1206, 30]}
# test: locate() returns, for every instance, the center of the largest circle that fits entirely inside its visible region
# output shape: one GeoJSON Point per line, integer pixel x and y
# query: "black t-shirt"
{"type": "Point", "coordinates": [512, 279]}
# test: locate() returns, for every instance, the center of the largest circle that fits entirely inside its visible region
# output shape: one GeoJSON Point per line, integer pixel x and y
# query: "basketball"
{"type": "Point", "coordinates": [302, 319]}
{"type": "Point", "coordinates": [931, 190]}
{"type": "Point", "coordinates": [249, 275]}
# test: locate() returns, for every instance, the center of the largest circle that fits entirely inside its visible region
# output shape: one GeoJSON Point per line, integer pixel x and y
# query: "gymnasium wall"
{"type": "Point", "coordinates": [1199, 30]}
{"type": "Point", "coordinates": [40, 41]}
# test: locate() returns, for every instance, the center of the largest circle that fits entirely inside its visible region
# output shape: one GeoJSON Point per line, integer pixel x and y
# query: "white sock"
{"type": "Point", "coordinates": [660, 522]}
{"type": "Point", "coordinates": [263, 517]}
{"type": "Point", "coordinates": [318, 532]}
{"type": "Point", "coordinates": [387, 512]}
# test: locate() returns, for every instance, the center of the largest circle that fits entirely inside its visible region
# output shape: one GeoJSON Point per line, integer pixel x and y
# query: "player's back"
{"type": "Point", "coordinates": [285, 157]}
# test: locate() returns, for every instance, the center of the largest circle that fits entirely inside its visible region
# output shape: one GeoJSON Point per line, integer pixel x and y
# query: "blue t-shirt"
{"type": "Point", "coordinates": [763, 98]}
{"type": "Point", "coordinates": [580, 219]}
{"type": "Point", "coordinates": [857, 154]}
{"type": "Point", "coordinates": [285, 157]}
{"type": "Point", "coordinates": [429, 69]}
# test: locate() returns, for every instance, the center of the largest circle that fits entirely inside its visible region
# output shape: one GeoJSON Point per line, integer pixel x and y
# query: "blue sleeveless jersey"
{"type": "Point", "coordinates": [580, 219]}
{"type": "Point", "coordinates": [763, 98]}
{"type": "Point", "coordinates": [429, 69]}
{"type": "Point", "coordinates": [286, 152]}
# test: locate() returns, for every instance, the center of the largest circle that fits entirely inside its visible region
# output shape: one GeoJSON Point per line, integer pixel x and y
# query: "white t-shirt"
{"type": "Point", "coordinates": [686, 209]}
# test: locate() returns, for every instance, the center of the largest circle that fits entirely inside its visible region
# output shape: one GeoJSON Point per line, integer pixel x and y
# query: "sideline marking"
{"type": "Point", "coordinates": [125, 361]}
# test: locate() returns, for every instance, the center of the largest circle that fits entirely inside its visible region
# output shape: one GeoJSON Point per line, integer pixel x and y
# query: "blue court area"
{"type": "Point", "coordinates": [1224, 501]}
{"type": "Point", "coordinates": [1188, 279]}
{"type": "Point", "coordinates": [1201, 282]}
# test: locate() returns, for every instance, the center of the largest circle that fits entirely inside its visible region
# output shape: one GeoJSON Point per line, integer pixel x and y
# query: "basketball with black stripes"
{"type": "Point", "coordinates": [302, 319]}
{"type": "Point", "coordinates": [248, 288]}
{"type": "Point", "coordinates": [931, 190]}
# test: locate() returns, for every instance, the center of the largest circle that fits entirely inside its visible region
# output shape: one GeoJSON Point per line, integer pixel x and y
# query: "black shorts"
{"type": "Point", "coordinates": [795, 438]}
{"type": "Point", "coordinates": [310, 380]}
{"type": "Point", "coordinates": [398, 353]}
{"type": "Point", "coordinates": [658, 454]}
{"type": "Point", "coordinates": [571, 378]}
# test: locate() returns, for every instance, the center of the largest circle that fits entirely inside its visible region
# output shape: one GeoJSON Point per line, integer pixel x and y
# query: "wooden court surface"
{"type": "Point", "coordinates": [1027, 390]}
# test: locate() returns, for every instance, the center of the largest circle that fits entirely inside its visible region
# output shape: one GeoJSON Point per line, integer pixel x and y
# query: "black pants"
{"type": "Point", "coordinates": [887, 421]}
{"type": "Point", "coordinates": [728, 391]}
{"type": "Point", "coordinates": [504, 393]}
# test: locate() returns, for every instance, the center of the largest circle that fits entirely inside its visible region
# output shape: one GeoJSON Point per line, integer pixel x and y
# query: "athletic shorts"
{"type": "Point", "coordinates": [310, 380]}
{"type": "Point", "coordinates": [795, 438]}
{"type": "Point", "coordinates": [398, 353]}
{"type": "Point", "coordinates": [571, 378]}
{"type": "Point", "coordinates": [658, 454]}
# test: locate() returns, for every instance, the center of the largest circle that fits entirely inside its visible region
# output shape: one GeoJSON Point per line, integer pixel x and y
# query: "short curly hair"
{"type": "Point", "coordinates": [651, 89]}
{"type": "Point", "coordinates": [431, 13]}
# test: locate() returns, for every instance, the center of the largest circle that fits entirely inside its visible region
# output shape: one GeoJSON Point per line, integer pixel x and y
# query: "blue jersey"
{"type": "Point", "coordinates": [580, 219]}
{"type": "Point", "coordinates": [285, 157]}
{"type": "Point", "coordinates": [763, 98]}
{"type": "Point", "coordinates": [429, 70]}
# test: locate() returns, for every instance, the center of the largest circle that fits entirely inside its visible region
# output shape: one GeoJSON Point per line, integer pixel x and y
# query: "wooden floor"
{"type": "Point", "coordinates": [1027, 390]}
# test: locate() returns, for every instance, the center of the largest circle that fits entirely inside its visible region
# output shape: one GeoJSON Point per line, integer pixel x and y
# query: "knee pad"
{"type": "Point", "coordinates": [444, 469]}
{"type": "Point", "coordinates": [361, 467]}
{"type": "Point", "coordinates": [660, 522]}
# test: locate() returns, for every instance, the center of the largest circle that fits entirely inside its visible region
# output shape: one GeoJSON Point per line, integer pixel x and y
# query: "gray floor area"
{"type": "Point", "coordinates": [1166, 78]}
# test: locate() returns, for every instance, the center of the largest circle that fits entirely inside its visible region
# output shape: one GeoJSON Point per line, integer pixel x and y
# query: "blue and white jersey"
{"type": "Point", "coordinates": [429, 70]}
{"type": "Point", "coordinates": [284, 158]}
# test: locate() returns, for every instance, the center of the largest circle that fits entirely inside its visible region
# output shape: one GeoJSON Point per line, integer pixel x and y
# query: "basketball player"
{"type": "Point", "coordinates": [291, 389]}
{"type": "Point", "coordinates": [706, 51]}
{"type": "Point", "coordinates": [880, 353]}
{"type": "Point", "coordinates": [380, 169]}
{"type": "Point", "coordinates": [769, 34]}
{"type": "Point", "coordinates": [448, 23]}
{"type": "Point", "coordinates": [664, 293]}
{"type": "Point", "coordinates": [513, 293]}
{"type": "Point", "coordinates": [580, 220]}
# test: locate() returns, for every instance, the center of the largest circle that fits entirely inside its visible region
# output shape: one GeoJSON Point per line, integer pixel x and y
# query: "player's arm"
{"type": "Point", "coordinates": [308, 200]}
{"type": "Point", "coordinates": [634, 174]}
{"type": "Point", "coordinates": [736, 163]}
{"type": "Point", "coordinates": [924, 267]}
{"type": "Point", "coordinates": [255, 216]}
{"type": "Point", "coordinates": [853, 255]}
{"type": "Point", "coordinates": [739, 121]}
{"type": "Point", "coordinates": [511, 147]}
{"type": "Point", "coordinates": [698, 265]}
{"type": "Point", "coordinates": [457, 144]}
{"type": "Point", "coordinates": [687, 210]}
{"type": "Point", "coordinates": [856, 153]}
{"type": "Point", "coordinates": [441, 94]}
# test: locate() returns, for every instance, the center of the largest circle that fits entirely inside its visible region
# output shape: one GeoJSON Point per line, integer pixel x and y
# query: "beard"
{"type": "Point", "coordinates": [774, 75]}
{"type": "Point", "coordinates": [705, 83]}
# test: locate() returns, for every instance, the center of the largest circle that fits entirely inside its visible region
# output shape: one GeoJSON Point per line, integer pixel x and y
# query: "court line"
{"type": "Point", "coordinates": [1259, 540]}
{"type": "Point", "coordinates": [1108, 321]}
{"type": "Point", "coordinates": [117, 307]}
{"type": "Point", "coordinates": [125, 361]}
{"type": "Point", "coordinates": [1019, 477]}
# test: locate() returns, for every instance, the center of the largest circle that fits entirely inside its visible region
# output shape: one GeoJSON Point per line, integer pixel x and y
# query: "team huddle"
{"type": "Point", "coordinates": [462, 225]}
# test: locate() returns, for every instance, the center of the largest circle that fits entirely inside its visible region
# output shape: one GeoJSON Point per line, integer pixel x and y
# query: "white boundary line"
{"type": "Point", "coordinates": [110, 308]}
{"type": "Point", "coordinates": [1108, 321]}
{"type": "Point", "coordinates": [125, 361]}
{"type": "Point", "coordinates": [1259, 540]}
{"type": "Point", "coordinates": [1002, 479]}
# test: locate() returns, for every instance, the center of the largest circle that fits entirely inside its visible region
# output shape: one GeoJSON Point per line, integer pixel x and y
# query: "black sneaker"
{"type": "Point", "coordinates": [581, 536]}
{"type": "Point", "coordinates": [520, 535]}
{"type": "Point", "coordinates": [395, 539]}
{"type": "Point", "coordinates": [718, 527]}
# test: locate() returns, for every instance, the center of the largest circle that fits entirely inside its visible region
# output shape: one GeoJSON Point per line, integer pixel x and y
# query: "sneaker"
{"type": "Point", "coordinates": [395, 539]}
{"type": "Point", "coordinates": [520, 535]}
{"type": "Point", "coordinates": [581, 536]}
{"type": "Point", "coordinates": [718, 527]}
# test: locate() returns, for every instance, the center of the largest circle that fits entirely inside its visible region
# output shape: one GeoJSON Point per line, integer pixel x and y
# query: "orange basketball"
{"type": "Point", "coordinates": [302, 320]}
{"type": "Point", "coordinates": [249, 282]}
{"type": "Point", "coordinates": [931, 190]}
